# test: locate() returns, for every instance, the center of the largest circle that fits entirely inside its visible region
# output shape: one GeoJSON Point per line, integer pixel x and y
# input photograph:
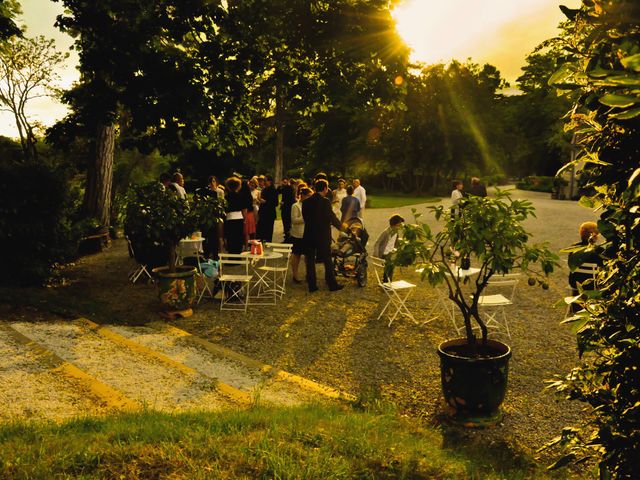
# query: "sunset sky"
{"type": "Point", "coordinates": [500, 32]}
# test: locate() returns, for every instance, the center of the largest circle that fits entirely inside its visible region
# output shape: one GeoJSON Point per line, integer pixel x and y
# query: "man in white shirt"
{"type": "Point", "coordinates": [456, 197]}
{"type": "Point", "coordinates": [361, 194]}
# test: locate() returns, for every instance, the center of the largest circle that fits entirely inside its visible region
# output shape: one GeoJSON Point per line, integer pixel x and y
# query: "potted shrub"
{"type": "Point", "coordinates": [474, 369]}
{"type": "Point", "coordinates": [156, 220]}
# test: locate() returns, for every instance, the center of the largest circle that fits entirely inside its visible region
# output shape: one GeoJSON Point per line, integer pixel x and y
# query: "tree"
{"type": "Point", "coordinates": [540, 145]}
{"type": "Point", "coordinates": [9, 9]}
{"type": "Point", "coordinates": [602, 73]}
{"type": "Point", "coordinates": [156, 66]}
{"type": "Point", "coordinates": [309, 60]}
{"type": "Point", "coordinates": [27, 71]}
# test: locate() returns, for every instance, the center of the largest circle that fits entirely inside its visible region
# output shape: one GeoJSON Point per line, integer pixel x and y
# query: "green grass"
{"type": "Point", "coordinates": [394, 201]}
{"type": "Point", "coordinates": [311, 442]}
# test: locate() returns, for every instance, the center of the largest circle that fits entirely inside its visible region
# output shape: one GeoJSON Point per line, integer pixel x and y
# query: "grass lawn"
{"type": "Point", "coordinates": [310, 442]}
{"type": "Point", "coordinates": [394, 201]}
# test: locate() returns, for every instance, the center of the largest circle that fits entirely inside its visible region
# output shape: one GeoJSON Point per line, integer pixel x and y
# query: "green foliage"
{"type": "Point", "coordinates": [9, 9]}
{"type": "Point", "coordinates": [156, 218]}
{"type": "Point", "coordinates": [537, 184]}
{"type": "Point", "coordinates": [36, 228]}
{"type": "Point", "coordinates": [602, 74]}
{"type": "Point", "coordinates": [490, 230]}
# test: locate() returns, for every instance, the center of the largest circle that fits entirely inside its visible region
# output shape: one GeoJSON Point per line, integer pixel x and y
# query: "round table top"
{"type": "Point", "coordinates": [267, 255]}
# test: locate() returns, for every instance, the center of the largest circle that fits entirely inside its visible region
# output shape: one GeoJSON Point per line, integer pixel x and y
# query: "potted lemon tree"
{"type": "Point", "coordinates": [156, 219]}
{"type": "Point", "coordinates": [474, 369]}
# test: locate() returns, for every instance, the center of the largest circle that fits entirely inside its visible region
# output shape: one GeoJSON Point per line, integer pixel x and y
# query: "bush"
{"type": "Point", "coordinates": [536, 184]}
{"type": "Point", "coordinates": [35, 225]}
{"type": "Point", "coordinates": [498, 179]}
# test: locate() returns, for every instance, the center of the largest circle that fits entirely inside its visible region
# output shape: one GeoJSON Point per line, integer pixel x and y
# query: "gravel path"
{"type": "Point", "coordinates": [48, 395]}
{"type": "Point", "coordinates": [138, 378]}
{"type": "Point", "coordinates": [334, 338]}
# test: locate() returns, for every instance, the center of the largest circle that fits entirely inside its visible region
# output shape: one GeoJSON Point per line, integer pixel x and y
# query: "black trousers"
{"type": "Point", "coordinates": [234, 235]}
{"type": "Point", "coordinates": [324, 255]}
{"type": "Point", "coordinates": [264, 230]}
{"type": "Point", "coordinates": [286, 222]}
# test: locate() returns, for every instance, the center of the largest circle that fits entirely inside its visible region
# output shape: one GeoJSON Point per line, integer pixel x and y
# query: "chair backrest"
{"type": "Point", "coordinates": [508, 281]}
{"type": "Point", "coordinates": [378, 266]}
{"type": "Point", "coordinates": [587, 268]}
{"type": "Point", "coordinates": [231, 260]}
{"type": "Point", "coordinates": [279, 247]}
{"type": "Point", "coordinates": [190, 248]}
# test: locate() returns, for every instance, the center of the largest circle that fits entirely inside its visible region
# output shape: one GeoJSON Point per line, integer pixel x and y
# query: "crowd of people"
{"type": "Point", "coordinates": [308, 209]}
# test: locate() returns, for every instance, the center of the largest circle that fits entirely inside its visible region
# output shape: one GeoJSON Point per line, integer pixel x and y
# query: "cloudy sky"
{"type": "Point", "coordinates": [501, 32]}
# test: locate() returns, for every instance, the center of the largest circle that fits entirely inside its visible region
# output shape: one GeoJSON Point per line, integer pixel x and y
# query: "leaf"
{"type": "Point", "coordinates": [561, 75]}
{"type": "Point", "coordinates": [619, 101]}
{"type": "Point", "coordinates": [633, 176]}
{"type": "Point", "coordinates": [626, 115]}
{"type": "Point", "coordinates": [632, 62]}
{"type": "Point", "coordinates": [570, 13]}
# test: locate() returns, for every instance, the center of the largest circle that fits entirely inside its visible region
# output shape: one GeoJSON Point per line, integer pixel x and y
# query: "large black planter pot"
{"type": "Point", "coordinates": [474, 387]}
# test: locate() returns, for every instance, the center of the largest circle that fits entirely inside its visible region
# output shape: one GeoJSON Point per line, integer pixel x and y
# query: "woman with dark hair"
{"type": "Point", "coordinates": [236, 213]}
{"type": "Point", "coordinates": [297, 230]}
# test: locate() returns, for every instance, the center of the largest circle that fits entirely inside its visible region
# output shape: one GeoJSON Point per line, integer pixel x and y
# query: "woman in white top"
{"type": "Point", "coordinates": [297, 230]}
{"type": "Point", "coordinates": [456, 197]}
{"type": "Point", "coordinates": [338, 194]}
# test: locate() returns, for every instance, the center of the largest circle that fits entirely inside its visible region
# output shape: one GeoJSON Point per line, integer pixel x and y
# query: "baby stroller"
{"type": "Point", "coordinates": [349, 252]}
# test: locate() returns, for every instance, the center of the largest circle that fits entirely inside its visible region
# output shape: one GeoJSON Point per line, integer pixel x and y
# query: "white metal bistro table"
{"type": "Point", "coordinates": [262, 292]}
{"type": "Point", "coordinates": [443, 295]}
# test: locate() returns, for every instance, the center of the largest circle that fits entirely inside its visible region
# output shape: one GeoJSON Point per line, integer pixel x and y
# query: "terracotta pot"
{"type": "Point", "coordinates": [176, 290]}
{"type": "Point", "coordinates": [474, 386]}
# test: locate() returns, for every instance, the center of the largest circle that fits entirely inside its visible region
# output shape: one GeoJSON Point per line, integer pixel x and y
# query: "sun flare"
{"type": "Point", "coordinates": [438, 30]}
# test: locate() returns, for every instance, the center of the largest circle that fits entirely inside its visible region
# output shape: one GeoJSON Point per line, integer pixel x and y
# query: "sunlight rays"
{"type": "Point", "coordinates": [440, 31]}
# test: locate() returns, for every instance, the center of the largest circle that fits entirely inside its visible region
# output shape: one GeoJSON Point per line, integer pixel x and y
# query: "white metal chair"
{"type": "Point", "coordinates": [140, 269]}
{"type": "Point", "coordinates": [235, 279]}
{"type": "Point", "coordinates": [588, 269]}
{"type": "Point", "coordinates": [397, 293]}
{"type": "Point", "coordinates": [493, 306]}
{"type": "Point", "coordinates": [277, 272]}
{"type": "Point", "coordinates": [193, 248]}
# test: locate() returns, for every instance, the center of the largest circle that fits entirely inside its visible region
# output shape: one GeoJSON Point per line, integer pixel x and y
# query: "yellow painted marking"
{"type": "Point", "coordinates": [110, 396]}
{"type": "Point", "coordinates": [229, 391]}
{"type": "Point", "coordinates": [225, 352]}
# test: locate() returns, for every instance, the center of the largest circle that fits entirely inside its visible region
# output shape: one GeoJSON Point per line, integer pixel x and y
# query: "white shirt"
{"type": "Point", "coordinates": [361, 194]}
{"type": "Point", "coordinates": [182, 193]}
{"type": "Point", "coordinates": [456, 196]}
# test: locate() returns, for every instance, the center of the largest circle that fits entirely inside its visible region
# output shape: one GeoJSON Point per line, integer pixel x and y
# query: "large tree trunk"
{"type": "Point", "coordinates": [97, 196]}
{"type": "Point", "coordinates": [280, 121]}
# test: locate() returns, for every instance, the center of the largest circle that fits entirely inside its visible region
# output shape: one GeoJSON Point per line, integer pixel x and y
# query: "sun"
{"type": "Point", "coordinates": [440, 30]}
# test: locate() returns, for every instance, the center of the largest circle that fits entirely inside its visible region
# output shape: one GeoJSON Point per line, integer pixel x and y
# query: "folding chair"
{"type": "Point", "coordinates": [494, 305]}
{"type": "Point", "coordinates": [193, 248]}
{"type": "Point", "coordinates": [140, 269]}
{"type": "Point", "coordinates": [278, 271]}
{"type": "Point", "coordinates": [397, 292]}
{"type": "Point", "coordinates": [589, 269]}
{"type": "Point", "coordinates": [235, 279]}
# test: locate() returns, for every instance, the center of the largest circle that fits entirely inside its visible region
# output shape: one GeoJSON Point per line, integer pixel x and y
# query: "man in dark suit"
{"type": "Point", "coordinates": [268, 204]}
{"type": "Point", "coordinates": [318, 218]}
